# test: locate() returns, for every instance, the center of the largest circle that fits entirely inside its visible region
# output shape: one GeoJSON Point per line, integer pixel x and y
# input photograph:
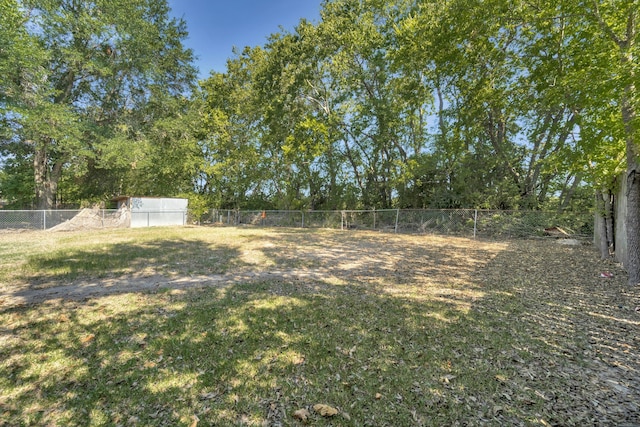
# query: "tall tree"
{"type": "Point", "coordinates": [106, 61]}
{"type": "Point", "coordinates": [374, 107]}
{"type": "Point", "coordinates": [490, 67]}
{"type": "Point", "coordinates": [618, 22]}
{"type": "Point", "coordinates": [232, 169]}
{"type": "Point", "coordinates": [599, 73]}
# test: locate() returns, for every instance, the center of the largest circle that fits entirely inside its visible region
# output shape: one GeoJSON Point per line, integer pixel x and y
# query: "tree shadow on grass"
{"type": "Point", "coordinates": [169, 256]}
{"type": "Point", "coordinates": [575, 334]}
{"type": "Point", "coordinates": [501, 342]}
{"type": "Point", "coordinates": [240, 355]}
{"type": "Point", "coordinates": [247, 353]}
{"type": "Point", "coordinates": [250, 353]}
{"type": "Point", "coordinates": [79, 273]}
{"type": "Point", "coordinates": [368, 256]}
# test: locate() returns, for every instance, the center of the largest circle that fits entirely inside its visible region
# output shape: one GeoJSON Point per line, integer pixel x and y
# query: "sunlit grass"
{"type": "Point", "coordinates": [47, 256]}
{"type": "Point", "coordinates": [419, 336]}
{"type": "Point", "coordinates": [228, 358]}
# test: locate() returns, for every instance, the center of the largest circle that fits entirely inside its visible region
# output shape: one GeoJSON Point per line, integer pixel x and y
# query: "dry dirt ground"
{"type": "Point", "coordinates": [566, 292]}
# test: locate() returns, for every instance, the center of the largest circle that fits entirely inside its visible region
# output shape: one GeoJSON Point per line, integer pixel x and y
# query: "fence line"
{"type": "Point", "coordinates": [461, 222]}
{"type": "Point", "coordinates": [70, 219]}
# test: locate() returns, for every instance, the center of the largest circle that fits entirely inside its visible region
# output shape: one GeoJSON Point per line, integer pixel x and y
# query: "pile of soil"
{"type": "Point", "coordinates": [92, 219]}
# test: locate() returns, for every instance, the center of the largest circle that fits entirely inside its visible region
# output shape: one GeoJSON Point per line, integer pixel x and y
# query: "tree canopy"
{"type": "Point", "coordinates": [489, 104]}
{"type": "Point", "coordinates": [94, 95]}
{"type": "Point", "coordinates": [401, 103]}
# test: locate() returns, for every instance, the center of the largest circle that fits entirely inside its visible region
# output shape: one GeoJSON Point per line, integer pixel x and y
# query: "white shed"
{"type": "Point", "coordinates": [155, 211]}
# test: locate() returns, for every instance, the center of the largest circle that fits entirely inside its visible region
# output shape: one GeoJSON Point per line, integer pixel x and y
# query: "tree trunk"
{"type": "Point", "coordinates": [604, 208]}
{"type": "Point", "coordinates": [633, 190]}
{"type": "Point", "coordinates": [633, 221]}
{"type": "Point", "coordinates": [626, 47]}
{"type": "Point", "coordinates": [602, 229]}
{"type": "Point", "coordinates": [568, 192]}
{"type": "Point", "coordinates": [609, 224]}
{"type": "Point", "coordinates": [46, 178]}
{"type": "Point", "coordinates": [43, 198]}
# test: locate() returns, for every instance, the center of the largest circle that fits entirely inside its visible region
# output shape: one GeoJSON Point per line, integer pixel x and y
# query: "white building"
{"type": "Point", "coordinates": [155, 211]}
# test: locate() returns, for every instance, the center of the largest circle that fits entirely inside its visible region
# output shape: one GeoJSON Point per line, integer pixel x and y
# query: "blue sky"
{"type": "Point", "coordinates": [216, 26]}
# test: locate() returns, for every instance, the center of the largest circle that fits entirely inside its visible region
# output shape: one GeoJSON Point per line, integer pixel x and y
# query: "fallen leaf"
{"type": "Point", "coordinates": [378, 396]}
{"type": "Point", "coordinates": [301, 414]}
{"type": "Point", "coordinates": [325, 410]}
{"type": "Point", "coordinates": [194, 423]}
{"type": "Point", "coordinates": [209, 396]}
{"type": "Point", "coordinates": [139, 339]}
{"type": "Point", "coordinates": [87, 339]}
{"type": "Point", "coordinates": [447, 378]}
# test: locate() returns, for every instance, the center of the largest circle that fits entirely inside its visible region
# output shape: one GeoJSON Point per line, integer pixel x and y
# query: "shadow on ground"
{"type": "Point", "coordinates": [396, 330]}
{"type": "Point", "coordinates": [576, 334]}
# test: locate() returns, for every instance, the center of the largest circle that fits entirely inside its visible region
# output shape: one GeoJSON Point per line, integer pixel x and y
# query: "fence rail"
{"type": "Point", "coordinates": [460, 222]}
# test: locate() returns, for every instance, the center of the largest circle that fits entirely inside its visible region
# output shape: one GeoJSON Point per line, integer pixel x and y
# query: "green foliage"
{"type": "Point", "coordinates": [479, 104]}
{"type": "Point", "coordinates": [16, 182]}
{"type": "Point", "coordinates": [199, 206]}
{"type": "Point", "coordinates": [400, 104]}
{"type": "Point", "coordinates": [102, 91]}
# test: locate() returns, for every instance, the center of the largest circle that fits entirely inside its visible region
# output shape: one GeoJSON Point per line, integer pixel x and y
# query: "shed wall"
{"type": "Point", "coordinates": [150, 212]}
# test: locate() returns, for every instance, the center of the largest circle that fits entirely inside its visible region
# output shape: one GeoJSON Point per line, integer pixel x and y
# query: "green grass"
{"type": "Point", "coordinates": [467, 333]}
{"type": "Point", "coordinates": [53, 258]}
{"type": "Point", "coordinates": [247, 348]}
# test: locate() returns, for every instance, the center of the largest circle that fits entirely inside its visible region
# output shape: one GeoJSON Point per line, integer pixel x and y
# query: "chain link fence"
{"type": "Point", "coordinates": [34, 220]}
{"type": "Point", "coordinates": [460, 222]}
{"type": "Point", "coordinates": [86, 219]}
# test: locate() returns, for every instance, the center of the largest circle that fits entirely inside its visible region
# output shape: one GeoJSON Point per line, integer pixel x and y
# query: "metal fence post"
{"type": "Point", "coordinates": [397, 218]}
{"type": "Point", "coordinates": [475, 222]}
{"type": "Point", "coordinates": [302, 212]}
{"type": "Point", "coordinates": [44, 220]}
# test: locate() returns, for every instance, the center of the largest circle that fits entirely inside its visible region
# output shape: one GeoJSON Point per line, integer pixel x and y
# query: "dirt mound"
{"type": "Point", "coordinates": [91, 219]}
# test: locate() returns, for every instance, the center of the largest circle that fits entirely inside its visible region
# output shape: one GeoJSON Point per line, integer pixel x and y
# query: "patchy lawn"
{"type": "Point", "coordinates": [242, 326]}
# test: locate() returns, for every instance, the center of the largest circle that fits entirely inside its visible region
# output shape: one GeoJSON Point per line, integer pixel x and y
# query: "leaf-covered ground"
{"type": "Point", "coordinates": [199, 326]}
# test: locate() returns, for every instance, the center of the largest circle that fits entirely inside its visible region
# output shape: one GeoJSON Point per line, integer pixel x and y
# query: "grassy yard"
{"type": "Point", "coordinates": [258, 327]}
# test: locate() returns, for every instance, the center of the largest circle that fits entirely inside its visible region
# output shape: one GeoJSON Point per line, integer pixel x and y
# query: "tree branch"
{"type": "Point", "coordinates": [622, 44]}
